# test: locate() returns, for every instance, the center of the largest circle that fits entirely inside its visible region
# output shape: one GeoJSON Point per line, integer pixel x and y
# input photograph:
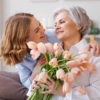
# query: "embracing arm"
{"type": "Point", "coordinates": [29, 69]}
{"type": "Point", "coordinates": [36, 70]}
{"type": "Point", "coordinates": [96, 47]}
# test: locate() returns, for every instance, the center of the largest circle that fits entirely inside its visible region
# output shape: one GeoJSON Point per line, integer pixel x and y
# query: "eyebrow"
{"type": "Point", "coordinates": [60, 20]}
{"type": "Point", "coordinates": [37, 27]}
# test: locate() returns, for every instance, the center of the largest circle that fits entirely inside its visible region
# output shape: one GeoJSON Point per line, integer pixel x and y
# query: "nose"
{"type": "Point", "coordinates": [57, 26]}
{"type": "Point", "coordinates": [42, 29]}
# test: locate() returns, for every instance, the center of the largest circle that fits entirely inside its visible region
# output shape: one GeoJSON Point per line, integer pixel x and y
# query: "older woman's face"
{"type": "Point", "coordinates": [65, 28]}
{"type": "Point", "coordinates": [36, 31]}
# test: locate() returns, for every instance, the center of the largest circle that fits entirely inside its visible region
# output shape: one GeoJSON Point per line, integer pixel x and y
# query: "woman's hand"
{"type": "Point", "coordinates": [96, 47]}
{"type": "Point", "coordinates": [36, 70]}
{"type": "Point", "coordinates": [50, 86]}
{"type": "Point", "coordinates": [41, 61]}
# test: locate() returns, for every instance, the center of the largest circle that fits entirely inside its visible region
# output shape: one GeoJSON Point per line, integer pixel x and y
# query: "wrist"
{"type": "Point", "coordinates": [59, 91]}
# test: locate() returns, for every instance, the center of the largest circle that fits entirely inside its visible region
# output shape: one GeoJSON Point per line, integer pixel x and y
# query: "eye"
{"type": "Point", "coordinates": [37, 31]}
{"type": "Point", "coordinates": [55, 25]}
{"type": "Point", "coordinates": [62, 22]}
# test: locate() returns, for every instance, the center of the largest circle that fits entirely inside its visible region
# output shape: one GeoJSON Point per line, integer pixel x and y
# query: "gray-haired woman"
{"type": "Point", "coordinates": [71, 24]}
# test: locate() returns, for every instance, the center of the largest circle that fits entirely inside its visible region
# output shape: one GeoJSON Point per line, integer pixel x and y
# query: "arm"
{"type": "Point", "coordinates": [36, 70]}
{"type": "Point", "coordinates": [29, 69]}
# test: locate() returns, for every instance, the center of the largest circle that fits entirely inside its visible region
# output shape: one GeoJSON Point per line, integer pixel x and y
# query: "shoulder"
{"type": "Point", "coordinates": [28, 63]}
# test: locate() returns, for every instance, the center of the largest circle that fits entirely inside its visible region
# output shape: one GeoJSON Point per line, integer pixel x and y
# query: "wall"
{"type": "Point", "coordinates": [0, 28]}
{"type": "Point", "coordinates": [45, 9]}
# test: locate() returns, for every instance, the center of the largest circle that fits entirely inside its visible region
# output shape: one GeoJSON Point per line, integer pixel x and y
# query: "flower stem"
{"type": "Point", "coordinates": [62, 60]}
{"type": "Point", "coordinates": [62, 65]}
{"type": "Point", "coordinates": [58, 66]}
{"type": "Point", "coordinates": [75, 55]}
{"type": "Point", "coordinates": [49, 71]}
{"type": "Point", "coordinates": [33, 95]}
{"type": "Point", "coordinates": [46, 57]}
{"type": "Point", "coordinates": [44, 96]}
{"type": "Point", "coordinates": [75, 84]}
{"type": "Point", "coordinates": [50, 54]}
{"type": "Point", "coordinates": [67, 69]}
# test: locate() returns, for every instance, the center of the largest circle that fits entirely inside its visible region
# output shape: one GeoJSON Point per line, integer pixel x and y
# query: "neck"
{"type": "Point", "coordinates": [70, 42]}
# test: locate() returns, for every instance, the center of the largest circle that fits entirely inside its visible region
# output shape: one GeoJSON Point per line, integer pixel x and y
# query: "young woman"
{"type": "Point", "coordinates": [20, 29]}
{"type": "Point", "coordinates": [71, 24]}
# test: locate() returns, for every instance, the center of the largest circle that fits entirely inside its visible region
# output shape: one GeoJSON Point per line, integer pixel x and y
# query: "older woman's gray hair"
{"type": "Point", "coordinates": [79, 17]}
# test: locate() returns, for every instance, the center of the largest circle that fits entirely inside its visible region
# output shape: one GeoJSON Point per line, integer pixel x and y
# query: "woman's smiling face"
{"type": "Point", "coordinates": [65, 28]}
{"type": "Point", "coordinates": [36, 31]}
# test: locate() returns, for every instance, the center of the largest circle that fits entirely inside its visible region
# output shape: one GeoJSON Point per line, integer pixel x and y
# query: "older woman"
{"type": "Point", "coordinates": [71, 24]}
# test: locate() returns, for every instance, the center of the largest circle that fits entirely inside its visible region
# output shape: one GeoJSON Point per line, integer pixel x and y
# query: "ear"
{"type": "Point", "coordinates": [79, 27]}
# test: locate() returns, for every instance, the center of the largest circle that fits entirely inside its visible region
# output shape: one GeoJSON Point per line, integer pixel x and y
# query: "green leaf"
{"type": "Point", "coordinates": [41, 67]}
{"type": "Point", "coordinates": [49, 96]}
{"type": "Point", "coordinates": [30, 97]}
{"type": "Point", "coordinates": [54, 76]}
{"type": "Point", "coordinates": [50, 73]}
{"type": "Point", "coordinates": [57, 84]}
{"type": "Point", "coordinates": [48, 67]}
{"type": "Point", "coordinates": [38, 95]}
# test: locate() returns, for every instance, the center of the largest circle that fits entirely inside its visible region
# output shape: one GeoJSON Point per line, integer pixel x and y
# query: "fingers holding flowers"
{"type": "Point", "coordinates": [34, 85]}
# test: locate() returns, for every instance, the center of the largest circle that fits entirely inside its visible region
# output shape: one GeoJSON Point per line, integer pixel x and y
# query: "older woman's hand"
{"type": "Point", "coordinates": [96, 47]}
{"type": "Point", "coordinates": [50, 87]}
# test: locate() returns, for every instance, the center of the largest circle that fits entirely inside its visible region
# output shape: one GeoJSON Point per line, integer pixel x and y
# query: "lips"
{"type": "Point", "coordinates": [59, 32]}
{"type": "Point", "coordinates": [42, 36]}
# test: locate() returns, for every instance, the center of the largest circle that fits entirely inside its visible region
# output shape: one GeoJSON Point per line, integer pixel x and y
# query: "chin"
{"type": "Point", "coordinates": [44, 40]}
{"type": "Point", "coordinates": [60, 38]}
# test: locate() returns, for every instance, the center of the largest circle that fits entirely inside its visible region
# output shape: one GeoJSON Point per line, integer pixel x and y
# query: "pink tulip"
{"type": "Point", "coordinates": [79, 61]}
{"type": "Point", "coordinates": [35, 53]}
{"type": "Point", "coordinates": [84, 54]}
{"type": "Point", "coordinates": [41, 47]}
{"type": "Point", "coordinates": [60, 74]}
{"type": "Point", "coordinates": [66, 87]}
{"type": "Point", "coordinates": [83, 50]}
{"type": "Point", "coordinates": [32, 45]}
{"type": "Point", "coordinates": [43, 77]}
{"type": "Point", "coordinates": [49, 47]}
{"type": "Point", "coordinates": [58, 52]}
{"type": "Point", "coordinates": [93, 68]}
{"type": "Point", "coordinates": [53, 62]}
{"type": "Point", "coordinates": [86, 67]}
{"type": "Point", "coordinates": [69, 77]}
{"type": "Point", "coordinates": [76, 71]}
{"type": "Point", "coordinates": [56, 46]}
{"type": "Point", "coordinates": [81, 90]}
{"type": "Point", "coordinates": [85, 57]}
{"type": "Point", "coordinates": [67, 56]}
{"type": "Point", "coordinates": [65, 52]}
{"type": "Point", "coordinates": [72, 63]}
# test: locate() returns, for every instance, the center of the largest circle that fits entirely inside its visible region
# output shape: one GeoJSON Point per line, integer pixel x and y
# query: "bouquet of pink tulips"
{"type": "Point", "coordinates": [61, 66]}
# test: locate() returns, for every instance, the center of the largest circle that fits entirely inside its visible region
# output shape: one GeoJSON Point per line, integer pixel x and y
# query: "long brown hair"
{"type": "Point", "coordinates": [13, 46]}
